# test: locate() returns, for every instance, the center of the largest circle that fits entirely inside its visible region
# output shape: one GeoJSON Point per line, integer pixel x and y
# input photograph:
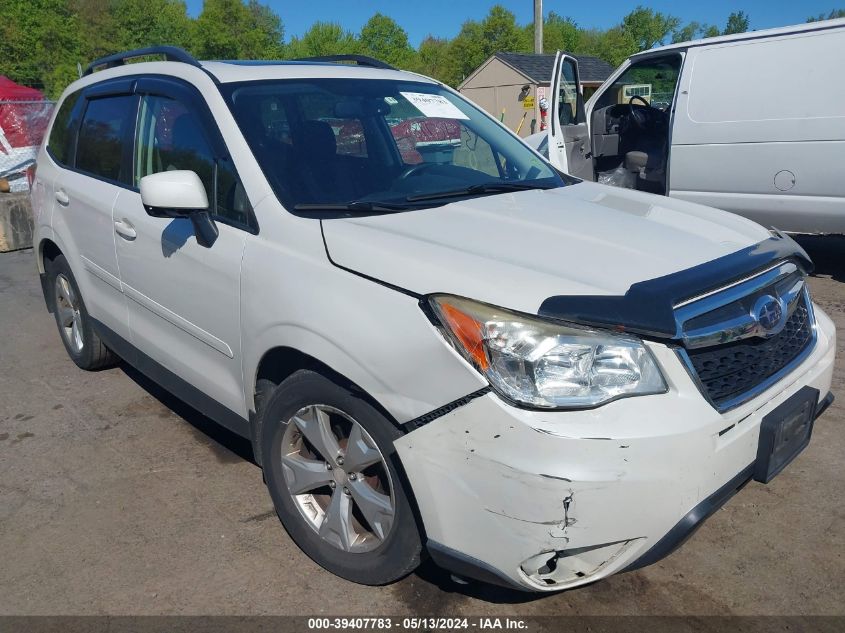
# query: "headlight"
{"type": "Point", "coordinates": [545, 364]}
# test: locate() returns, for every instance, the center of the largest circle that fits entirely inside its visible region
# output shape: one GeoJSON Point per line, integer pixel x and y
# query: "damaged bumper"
{"type": "Point", "coordinates": [544, 501]}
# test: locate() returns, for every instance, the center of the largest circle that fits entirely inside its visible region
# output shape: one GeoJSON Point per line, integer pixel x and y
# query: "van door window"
{"type": "Point", "coordinates": [649, 82]}
{"type": "Point", "coordinates": [171, 137]}
{"type": "Point", "coordinates": [104, 136]}
{"type": "Point", "coordinates": [569, 110]}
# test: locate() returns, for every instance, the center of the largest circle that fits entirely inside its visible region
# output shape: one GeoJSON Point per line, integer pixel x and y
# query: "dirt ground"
{"type": "Point", "coordinates": [117, 499]}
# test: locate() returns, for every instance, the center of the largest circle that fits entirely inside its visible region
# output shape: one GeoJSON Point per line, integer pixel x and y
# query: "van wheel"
{"type": "Point", "coordinates": [81, 342]}
{"type": "Point", "coordinates": [330, 466]}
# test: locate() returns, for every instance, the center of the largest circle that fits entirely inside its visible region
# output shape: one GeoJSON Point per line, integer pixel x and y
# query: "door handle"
{"type": "Point", "coordinates": [125, 229]}
{"type": "Point", "coordinates": [62, 197]}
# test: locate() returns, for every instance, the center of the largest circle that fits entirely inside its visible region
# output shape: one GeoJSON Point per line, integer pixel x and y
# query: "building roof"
{"type": "Point", "coordinates": [538, 68]}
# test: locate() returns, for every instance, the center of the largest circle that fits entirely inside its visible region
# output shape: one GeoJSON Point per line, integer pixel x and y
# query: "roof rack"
{"type": "Point", "coordinates": [171, 54]}
{"type": "Point", "coordinates": [360, 60]}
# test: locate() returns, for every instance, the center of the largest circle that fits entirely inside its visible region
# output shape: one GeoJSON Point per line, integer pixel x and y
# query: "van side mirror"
{"type": "Point", "coordinates": [180, 194]}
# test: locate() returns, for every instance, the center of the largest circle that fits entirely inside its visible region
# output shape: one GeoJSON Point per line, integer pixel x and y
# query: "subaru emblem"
{"type": "Point", "coordinates": [770, 314]}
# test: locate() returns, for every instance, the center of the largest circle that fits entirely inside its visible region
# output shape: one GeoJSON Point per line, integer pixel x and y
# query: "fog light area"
{"type": "Point", "coordinates": [572, 565]}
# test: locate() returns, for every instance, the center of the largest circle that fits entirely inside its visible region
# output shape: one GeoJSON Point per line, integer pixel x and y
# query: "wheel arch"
{"type": "Point", "coordinates": [48, 250]}
{"type": "Point", "coordinates": [281, 362]}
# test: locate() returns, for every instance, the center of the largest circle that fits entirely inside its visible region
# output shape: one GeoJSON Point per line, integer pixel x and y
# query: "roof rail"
{"type": "Point", "coordinates": [171, 54]}
{"type": "Point", "coordinates": [360, 60]}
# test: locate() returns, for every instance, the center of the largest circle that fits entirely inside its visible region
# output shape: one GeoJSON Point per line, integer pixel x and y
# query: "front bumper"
{"type": "Point", "coordinates": [544, 501]}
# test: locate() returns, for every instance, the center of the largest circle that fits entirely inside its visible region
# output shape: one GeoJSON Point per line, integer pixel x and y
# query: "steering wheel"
{"type": "Point", "coordinates": [640, 117]}
{"type": "Point", "coordinates": [639, 98]}
{"type": "Point", "coordinates": [414, 169]}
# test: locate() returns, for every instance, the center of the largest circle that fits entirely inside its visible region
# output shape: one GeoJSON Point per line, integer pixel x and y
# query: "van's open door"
{"type": "Point", "coordinates": [569, 135]}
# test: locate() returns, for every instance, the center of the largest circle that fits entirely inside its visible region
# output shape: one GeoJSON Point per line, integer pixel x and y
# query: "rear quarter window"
{"type": "Point", "coordinates": [59, 141]}
{"type": "Point", "coordinates": [105, 136]}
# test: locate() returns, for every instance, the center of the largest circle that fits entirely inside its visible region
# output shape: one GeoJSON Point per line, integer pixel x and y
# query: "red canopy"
{"type": "Point", "coordinates": [10, 91]}
{"type": "Point", "coordinates": [23, 119]}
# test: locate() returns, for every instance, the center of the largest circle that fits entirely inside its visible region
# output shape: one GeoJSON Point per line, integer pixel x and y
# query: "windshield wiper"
{"type": "Point", "coordinates": [355, 205]}
{"type": "Point", "coordinates": [490, 187]}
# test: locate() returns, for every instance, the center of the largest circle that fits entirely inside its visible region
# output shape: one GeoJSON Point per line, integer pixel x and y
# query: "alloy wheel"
{"type": "Point", "coordinates": [68, 310]}
{"type": "Point", "coordinates": [338, 478]}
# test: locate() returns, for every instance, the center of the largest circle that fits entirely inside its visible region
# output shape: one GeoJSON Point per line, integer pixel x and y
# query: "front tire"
{"type": "Point", "coordinates": [331, 470]}
{"type": "Point", "coordinates": [75, 329]}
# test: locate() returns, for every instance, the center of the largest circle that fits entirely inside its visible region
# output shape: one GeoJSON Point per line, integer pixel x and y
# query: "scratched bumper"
{"type": "Point", "coordinates": [551, 500]}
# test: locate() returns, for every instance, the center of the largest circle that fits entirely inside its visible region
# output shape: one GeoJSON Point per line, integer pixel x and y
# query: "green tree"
{"type": "Point", "coordinates": [230, 29]}
{"type": "Point", "coordinates": [477, 41]}
{"type": "Point", "coordinates": [500, 32]}
{"type": "Point", "coordinates": [686, 33]}
{"type": "Point", "coordinates": [835, 13]}
{"type": "Point", "coordinates": [323, 38]}
{"type": "Point", "coordinates": [142, 23]}
{"type": "Point", "coordinates": [613, 46]}
{"type": "Point", "coordinates": [648, 27]}
{"type": "Point", "coordinates": [381, 37]}
{"type": "Point", "coordinates": [97, 29]}
{"type": "Point", "coordinates": [40, 43]}
{"type": "Point", "coordinates": [559, 33]}
{"type": "Point", "coordinates": [434, 59]}
{"type": "Point", "coordinates": [264, 33]}
{"type": "Point", "coordinates": [738, 22]}
{"type": "Point", "coordinates": [694, 30]}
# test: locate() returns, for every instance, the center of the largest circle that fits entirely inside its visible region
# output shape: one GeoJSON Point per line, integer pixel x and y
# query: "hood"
{"type": "Point", "coordinates": [516, 249]}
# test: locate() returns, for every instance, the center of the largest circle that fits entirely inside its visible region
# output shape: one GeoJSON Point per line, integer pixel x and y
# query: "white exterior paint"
{"type": "Point", "coordinates": [178, 189]}
{"type": "Point", "coordinates": [751, 110]}
{"type": "Point", "coordinates": [630, 470]}
{"type": "Point", "coordinates": [538, 243]}
{"type": "Point", "coordinates": [758, 125]}
{"type": "Point", "coordinates": [522, 482]}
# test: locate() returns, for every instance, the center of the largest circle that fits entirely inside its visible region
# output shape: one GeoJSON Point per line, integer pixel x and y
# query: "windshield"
{"type": "Point", "coordinates": [377, 145]}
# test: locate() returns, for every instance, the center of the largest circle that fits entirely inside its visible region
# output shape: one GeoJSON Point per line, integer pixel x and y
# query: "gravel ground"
{"type": "Point", "coordinates": [117, 499]}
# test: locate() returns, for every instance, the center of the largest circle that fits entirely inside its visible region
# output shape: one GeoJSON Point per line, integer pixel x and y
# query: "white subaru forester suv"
{"type": "Point", "coordinates": [437, 344]}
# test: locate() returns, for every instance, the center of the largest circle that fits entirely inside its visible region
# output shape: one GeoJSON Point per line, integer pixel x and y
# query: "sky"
{"type": "Point", "coordinates": [444, 17]}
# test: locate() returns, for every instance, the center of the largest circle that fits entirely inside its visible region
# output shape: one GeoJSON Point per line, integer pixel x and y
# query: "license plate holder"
{"type": "Point", "coordinates": [784, 433]}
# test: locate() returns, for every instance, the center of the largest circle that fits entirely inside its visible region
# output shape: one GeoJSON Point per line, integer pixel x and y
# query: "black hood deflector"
{"type": "Point", "coordinates": [648, 306]}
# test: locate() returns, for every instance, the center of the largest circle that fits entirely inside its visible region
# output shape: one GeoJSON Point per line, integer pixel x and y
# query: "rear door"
{"type": "Point", "coordinates": [85, 194]}
{"type": "Point", "coordinates": [54, 156]}
{"type": "Point", "coordinates": [569, 135]}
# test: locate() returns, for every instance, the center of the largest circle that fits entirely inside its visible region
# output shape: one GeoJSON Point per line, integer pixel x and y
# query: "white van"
{"type": "Point", "coordinates": [752, 123]}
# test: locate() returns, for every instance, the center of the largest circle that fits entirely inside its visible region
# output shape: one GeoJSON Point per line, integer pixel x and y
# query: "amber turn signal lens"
{"type": "Point", "coordinates": [468, 331]}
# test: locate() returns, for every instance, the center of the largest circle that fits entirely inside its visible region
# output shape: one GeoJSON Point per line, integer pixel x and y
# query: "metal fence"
{"type": "Point", "coordinates": [22, 128]}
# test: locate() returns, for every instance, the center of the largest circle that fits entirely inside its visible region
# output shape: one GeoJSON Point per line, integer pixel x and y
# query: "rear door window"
{"type": "Point", "coordinates": [59, 142]}
{"type": "Point", "coordinates": [105, 136]}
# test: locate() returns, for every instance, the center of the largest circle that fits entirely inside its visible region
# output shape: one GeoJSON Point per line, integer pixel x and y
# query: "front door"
{"type": "Point", "coordinates": [569, 136]}
{"type": "Point", "coordinates": [184, 298]}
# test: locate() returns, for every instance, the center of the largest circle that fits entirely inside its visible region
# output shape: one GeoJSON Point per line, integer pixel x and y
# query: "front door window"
{"type": "Point", "coordinates": [569, 109]}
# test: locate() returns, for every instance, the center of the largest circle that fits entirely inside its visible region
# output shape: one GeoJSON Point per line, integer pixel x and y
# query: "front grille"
{"type": "Point", "coordinates": [728, 371]}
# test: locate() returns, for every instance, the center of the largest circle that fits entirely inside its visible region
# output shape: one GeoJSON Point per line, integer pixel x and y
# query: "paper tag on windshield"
{"type": "Point", "coordinates": [434, 105]}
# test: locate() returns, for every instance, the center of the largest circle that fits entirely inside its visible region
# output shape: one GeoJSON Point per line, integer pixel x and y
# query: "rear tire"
{"type": "Point", "coordinates": [75, 329]}
{"type": "Point", "coordinates": [376, 541]}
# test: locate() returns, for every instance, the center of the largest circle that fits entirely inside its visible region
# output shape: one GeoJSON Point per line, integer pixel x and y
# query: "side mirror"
{"type": "Point", "coordinates": [180, 194]}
